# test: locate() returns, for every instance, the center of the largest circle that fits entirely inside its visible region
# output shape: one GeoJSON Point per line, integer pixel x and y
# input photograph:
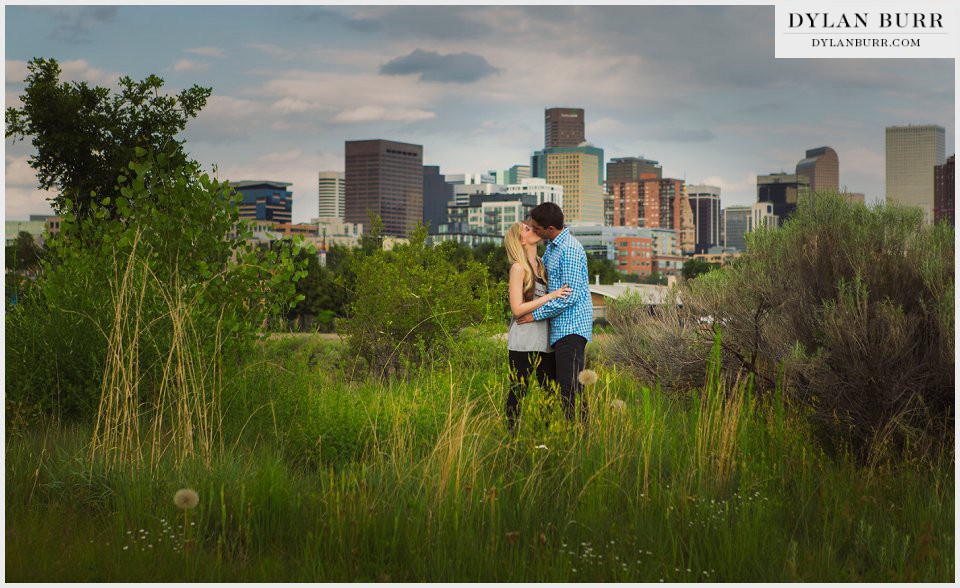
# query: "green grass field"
{"type": "Point", "coordinates": [327, 474]}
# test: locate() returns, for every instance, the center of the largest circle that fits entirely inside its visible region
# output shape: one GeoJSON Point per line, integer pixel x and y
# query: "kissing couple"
{"type": "Point", "coordinates": [552, 310]}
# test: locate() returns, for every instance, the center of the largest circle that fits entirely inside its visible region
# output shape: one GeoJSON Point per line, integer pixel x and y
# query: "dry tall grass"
{"type": "Point", "coordinates": [179, 403]}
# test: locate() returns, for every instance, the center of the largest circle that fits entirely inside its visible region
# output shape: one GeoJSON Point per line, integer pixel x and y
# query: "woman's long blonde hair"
{"type": "Point", "coordinates": [515, 253]}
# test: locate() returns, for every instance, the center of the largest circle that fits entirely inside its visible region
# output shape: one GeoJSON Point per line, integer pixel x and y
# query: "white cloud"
{"type": "Point", "coordinates": [16, 71]}
{"type": "Point", "coordinates": [295, 105]}
{"type": "Point", "coordinates": [19, 173]}
{"type": "Point", "coordinates": [224, 119]}
{"type": "Point", "coordinates": [274, 51]}
{"type": "Point", "coordinates": [80, 70]}
{"type": "Point", "coordinates": [282, 156]}
{"type": "Point", "coordinates": [374, 113]}
{"type": "Point", "coordinates": [207, 51]}
{"type": "Point", "coordinates": [189, 65]}
{"type": "Point", "coordinates": [734, 191]}
{"type": "Point", "coordinates": [21, 195]}
{"type": "Point", "coordinates": [75, 70]}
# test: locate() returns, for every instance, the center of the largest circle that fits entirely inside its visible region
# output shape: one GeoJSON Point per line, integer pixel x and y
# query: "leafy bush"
{"type": "Point", "coordinates": [410, 303]}
{"type": "Point", "coordinates": [179, 247]}
{"type": "Point", "coordinates": [852, 307]}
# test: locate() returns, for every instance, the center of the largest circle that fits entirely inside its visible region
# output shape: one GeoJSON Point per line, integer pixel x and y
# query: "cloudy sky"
{"type": "Point", "coordinates": [696, 88]}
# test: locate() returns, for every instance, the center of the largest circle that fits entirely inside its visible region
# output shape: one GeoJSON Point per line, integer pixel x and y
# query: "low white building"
{"type": "Point", "coordinates": [602, 294]}
{"type": "Point", "coordinates": [334, 231]}
{"type": "Point", "coordinates": [539, 188]}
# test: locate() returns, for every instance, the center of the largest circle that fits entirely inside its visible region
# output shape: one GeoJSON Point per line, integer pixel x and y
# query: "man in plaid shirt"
{"type": "Point", "coordinates": [571, 318]}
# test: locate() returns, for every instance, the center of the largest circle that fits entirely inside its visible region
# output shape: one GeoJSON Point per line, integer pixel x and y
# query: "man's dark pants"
{"type": "Point", "coordinates": [569, 354]}
{"type": "Point", "coordinates": [522, 365]}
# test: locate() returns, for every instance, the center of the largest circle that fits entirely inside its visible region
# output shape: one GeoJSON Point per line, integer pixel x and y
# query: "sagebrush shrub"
{"type": "Point", "coordinates": [849, 308]}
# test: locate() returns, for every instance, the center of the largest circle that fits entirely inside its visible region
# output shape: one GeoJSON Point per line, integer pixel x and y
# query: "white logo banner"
{"type": "Point", "coordinates": [860, 30]}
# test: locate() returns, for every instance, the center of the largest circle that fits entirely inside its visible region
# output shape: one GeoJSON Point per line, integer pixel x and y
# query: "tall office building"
{"type": "Point", "coordinates": [332, 195]}
{"type": "Point", "coordinates": [705, 204]}
{"type": "Point", "coordinates": [437, 194]}
{"type": "Point", "coordinates": [944, 191]}
{"type": "Point", "coordinates": [632, 169]}
{"type": "Point", "coordinates": [563, 127]}
{"type": "Point", "coordinates": [265, 200]}
{"type": "Point", "coordinates": [736, 225]}
{"type": "Point", "coordinates": [580, 171]}
{"type": "Point", "coordinates": [384, 178]}
{"type": "Point", "coordinates": [821, 167]}
{"type": "Point", "coordinates": [911, 154]}
{"type": "Point", "coordinates": [783, 191]}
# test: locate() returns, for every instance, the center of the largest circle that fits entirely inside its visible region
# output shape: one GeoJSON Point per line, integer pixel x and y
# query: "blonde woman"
{"type": "Point", "coordinates": [528, 341]}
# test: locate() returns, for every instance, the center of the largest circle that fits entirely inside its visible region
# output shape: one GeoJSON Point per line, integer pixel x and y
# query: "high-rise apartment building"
{"type": "Point", "coordinates": [705, 204]}
{"type": "Point", "coordinates": [654, 203]}
{"type": "Point", "coordinates": [911, 153]}
{"type": "Point", "coordinates": [384, 178]}
{"type": "Point", "coordinates": [579, 170]}
{"type": "Point", "coordinates": [563, 127]}
{"type": "Point", "coordinates": [437, 194]}
{"type": "Point", "coordinates": [821, 168]}
{"type": "Point", "coordinates": [265, 200]}
{"type": "Point", "coordinates": [332, 195]}
{"type": "Point", "coordinates": [783, 190]}
{"type": "Point", "coordinates": [944, 191]}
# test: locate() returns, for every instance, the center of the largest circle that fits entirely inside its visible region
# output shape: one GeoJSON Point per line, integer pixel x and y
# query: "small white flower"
{"type": "Point", "coordinates": [541, 446]}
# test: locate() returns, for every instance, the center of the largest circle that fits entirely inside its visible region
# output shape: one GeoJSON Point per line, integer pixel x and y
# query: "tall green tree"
{"type": "Point", "coordinates": [604, 268]}
{"type": "Point", "coordinates": [23, 254]}
{"type": "Point", "coordinates": [86, 135]}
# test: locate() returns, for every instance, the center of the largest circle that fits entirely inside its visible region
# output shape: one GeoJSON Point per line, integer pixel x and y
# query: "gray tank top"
{"type": "Point", "coordinates": [533, 336]}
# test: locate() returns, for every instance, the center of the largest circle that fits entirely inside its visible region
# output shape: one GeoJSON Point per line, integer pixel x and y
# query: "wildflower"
{"type": "Point", "coordinates": [617, 405]}
{"type": "Point", "coordinates": [186, 499]}
{"type": "Point", "coordinates": [588, 377]}
{"type": "Point", "coordinates": [541, 446]}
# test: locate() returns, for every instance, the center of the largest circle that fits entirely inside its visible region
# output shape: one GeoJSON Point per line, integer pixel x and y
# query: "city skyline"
{"type": "Point", "coordinates": [695, 88]}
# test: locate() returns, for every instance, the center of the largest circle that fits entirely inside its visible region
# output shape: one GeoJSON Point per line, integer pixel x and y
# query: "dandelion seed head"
{"type": "Point", "coordinates": [588, 377]}
{"type": "Point", "coordinates": [186, 499]}
{"type": "Point", "coordinates": [618, 406]}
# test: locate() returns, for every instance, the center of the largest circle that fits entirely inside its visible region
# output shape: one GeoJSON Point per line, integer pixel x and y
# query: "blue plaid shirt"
{"type": "Point", "coordinates": [566, 263]}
